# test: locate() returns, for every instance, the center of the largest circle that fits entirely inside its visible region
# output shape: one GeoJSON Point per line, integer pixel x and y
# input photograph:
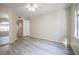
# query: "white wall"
{"type": "Point", "coordinates": [13, 27]}
{"type": "Point", "coordinates": [51, 26]}
{"type": "Point", "coordinates": [26, 28]}
{"type": "Point", "coordinates": [68, 26]}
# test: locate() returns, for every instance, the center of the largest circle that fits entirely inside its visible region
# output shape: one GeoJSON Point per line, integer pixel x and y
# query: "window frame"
{"type": "Point", "coordinates": [77, 22]}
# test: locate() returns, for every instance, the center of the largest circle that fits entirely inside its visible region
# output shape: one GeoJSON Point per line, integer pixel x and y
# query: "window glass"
{"type": "Point", "coordinates": [4, 26]}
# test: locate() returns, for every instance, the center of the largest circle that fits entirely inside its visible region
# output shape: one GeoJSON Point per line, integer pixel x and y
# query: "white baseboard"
{"type": "Point", "coordinates": [45, 39]}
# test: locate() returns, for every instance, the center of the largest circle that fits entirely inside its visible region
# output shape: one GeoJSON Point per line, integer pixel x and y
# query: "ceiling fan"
{"type": "Point", "coordinates": [32, 7]}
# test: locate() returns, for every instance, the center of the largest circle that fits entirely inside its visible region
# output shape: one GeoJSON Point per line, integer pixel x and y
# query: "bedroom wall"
{"type": "Point", "coordinates": [51, 26]}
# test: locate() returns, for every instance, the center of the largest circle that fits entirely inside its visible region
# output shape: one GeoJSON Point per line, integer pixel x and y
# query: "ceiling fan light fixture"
{"type": "Point", "coordinates": [32, 7]}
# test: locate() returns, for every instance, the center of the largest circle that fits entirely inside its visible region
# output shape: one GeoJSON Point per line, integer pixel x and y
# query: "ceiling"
{"type": "Point", "coordinates": [21, 10]}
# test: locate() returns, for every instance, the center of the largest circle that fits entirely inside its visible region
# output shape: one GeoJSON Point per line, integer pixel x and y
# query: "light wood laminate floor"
{"type": "Point", "coordinates": [33, 46]}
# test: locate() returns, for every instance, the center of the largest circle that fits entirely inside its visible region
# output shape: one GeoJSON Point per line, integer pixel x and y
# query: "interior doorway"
{"type": "Point", "coordinates": [20, 27]}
